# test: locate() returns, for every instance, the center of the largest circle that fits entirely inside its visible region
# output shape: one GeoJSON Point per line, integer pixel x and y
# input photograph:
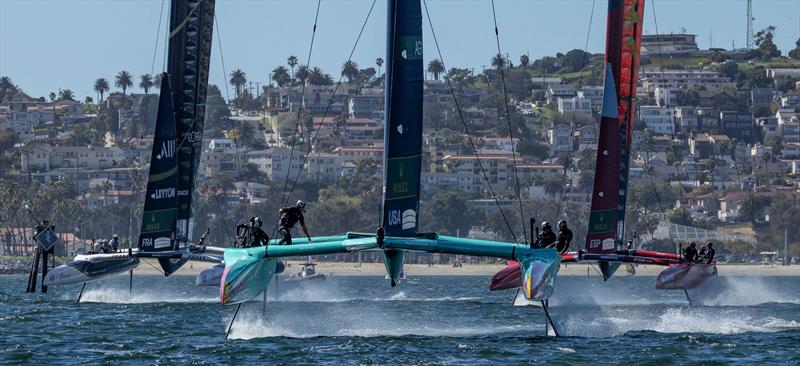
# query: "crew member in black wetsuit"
{"type": "Point", "coordinates": [710, 253]}
{"type": "Point", "coordinates": [690, 253]}
{"type": "Point", "coordinates": [564, 237]}
{"type": "Point", "coordinates": [257, 235]}
{"type": "Point", "coordinates": [289, 217]}
{"type": "Point", "coordinates": [547, 238]}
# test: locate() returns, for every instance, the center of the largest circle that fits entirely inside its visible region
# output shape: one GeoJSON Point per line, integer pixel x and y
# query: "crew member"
{"type": "Point", "coordinates": [710, 253]}
{"type": "Point", "coordinates": [115, 243]}
{"type": "Point", "coordinates": [564, 236]}
{"type": "Point", "coordinates": [105, 247]}
{"type": "Point", "coordinates": [547, 238]}
{"type": "Point", "coordinates": [257, 235]}
{"type": "Point", "coordinates": [690, 253]}
{"type": "Point", "coordinates": [289, 217]}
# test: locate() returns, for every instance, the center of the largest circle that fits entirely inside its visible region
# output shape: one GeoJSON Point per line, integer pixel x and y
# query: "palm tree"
{"type": "Point", "coordinates": [350, 70]}
{"type": "Point", "coordinates": [435, 67]}
{"type": "Point", "coordinates": [52, 97]}
{"type": "Point", "coordinates": [524, 60]}
{"type": "Point", "coordinates": [498, 61]}
{"type": "Point", "coordinates": [379, 62]}
{"type": "Point", "coordinates": [101, 86]}
{"type": "Point", "coordinates": [281, 76]}
{"type": "Point", "coordinates": [292, 62]}
{"type": "Point", "coordinates": [238, 78]}
{"type": "Point", "coordinates": [302, 74]}
{"type": "Point", "coordinates": [66, 94]}
{"type": "Point", "coordinates": [123, 80]}
{"type": "Point", "coordinates": [157, 80]}
{"type": "Point", "coordinates": [318, 77]}
{"type": "Point", "coordinates": [146, 82]}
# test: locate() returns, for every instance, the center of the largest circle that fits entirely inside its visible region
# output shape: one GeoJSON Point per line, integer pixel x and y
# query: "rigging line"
{"type": "Point", "coordinates": [221, 58]}
{"type": "Point", "coordinates": [510, 129]}
{"type": "Point", "coordinates": [284, 198]}
{"type": "Point", "coordinates": [158, 37]}
{"type": "Point", "coordinates": [466, 128]}
{"type": "Point", "coordinates": [154, 267]}
{"type": "Point", "coordinates": [661, 71]}
{"type": "Point", "coordinates": [328, 107]}
{"type": "Point", "coordinates": [580, 86]}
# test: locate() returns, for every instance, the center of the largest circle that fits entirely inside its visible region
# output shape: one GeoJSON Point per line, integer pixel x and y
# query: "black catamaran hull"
{"type": "Point", "coordinates": [91, 267]}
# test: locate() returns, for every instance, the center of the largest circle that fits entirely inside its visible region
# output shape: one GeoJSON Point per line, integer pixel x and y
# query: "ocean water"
{"type": "Point", "coordinates": [423, 321]}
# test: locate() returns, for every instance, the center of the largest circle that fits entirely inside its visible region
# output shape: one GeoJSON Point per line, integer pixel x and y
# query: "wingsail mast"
{"type": "Point", "coordinates": [402, 160]}
{"type": "Point", "coordinates": [606, 230]}
{"type": "Point", "coordinates": [189, 55]}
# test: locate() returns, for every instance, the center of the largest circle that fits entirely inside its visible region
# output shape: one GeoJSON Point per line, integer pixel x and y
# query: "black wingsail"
{"type": "Point", "coordinates": [403, 126]}
{"type": "Point", "coordinates": [189, 56]}
{"type": "Point", "coordinates": [160, 204]}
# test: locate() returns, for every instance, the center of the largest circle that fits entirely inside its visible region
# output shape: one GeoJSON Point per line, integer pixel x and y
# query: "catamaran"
{"type": "Point", "coordinates": [606, 231]}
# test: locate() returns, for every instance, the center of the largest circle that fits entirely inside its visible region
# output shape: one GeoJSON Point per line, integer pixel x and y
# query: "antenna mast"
{"type": "Point", "coordinates": [750, 36]}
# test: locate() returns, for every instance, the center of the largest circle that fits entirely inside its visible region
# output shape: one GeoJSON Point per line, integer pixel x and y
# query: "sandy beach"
{"type": "Point", "coordinates": [573, 269]}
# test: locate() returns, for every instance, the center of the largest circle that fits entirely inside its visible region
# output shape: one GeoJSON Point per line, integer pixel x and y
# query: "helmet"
{"type": "Point", "coordinates": [115, 236]}
{"type": "Point", "coordinates": [710, 244]}
{"type": "Point", "coordinates": [545, 225]}
{"type": "Point", "coordinates": [256, 222]}
{"type": "Point", "coordinates": [300, 204]}
{"type": "Point", "coordinates": [562, 222]}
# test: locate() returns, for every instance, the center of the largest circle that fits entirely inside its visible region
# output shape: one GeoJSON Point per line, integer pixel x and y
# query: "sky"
{"type": "Point", "coordinates": [47, 45]}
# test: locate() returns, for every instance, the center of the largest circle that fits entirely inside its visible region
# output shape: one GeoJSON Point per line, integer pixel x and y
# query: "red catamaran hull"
{"type": "Point", "coordinates": [685, 276]}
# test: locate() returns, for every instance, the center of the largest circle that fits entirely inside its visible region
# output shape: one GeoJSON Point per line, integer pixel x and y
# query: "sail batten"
{"type": "Point", "coordinates": [609, 194]}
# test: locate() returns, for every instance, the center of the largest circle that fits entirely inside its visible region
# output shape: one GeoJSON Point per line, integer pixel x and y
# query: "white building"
{"type": "Point", "coordinates": [576, 104]}
{"type": "Point", "coordinates": [658, 119]}
{"type": "Point", "coordinates": [560, 139]}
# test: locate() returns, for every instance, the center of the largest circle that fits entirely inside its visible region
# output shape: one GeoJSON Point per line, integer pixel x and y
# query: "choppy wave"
{"type": "Point", "coordinates": [138, 296]}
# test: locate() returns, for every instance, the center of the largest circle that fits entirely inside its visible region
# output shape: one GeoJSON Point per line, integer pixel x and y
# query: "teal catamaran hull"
{"type": "Point", "coordinates": [248, 270]}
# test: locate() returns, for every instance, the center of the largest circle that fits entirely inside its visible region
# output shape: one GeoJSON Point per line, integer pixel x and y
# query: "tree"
{"type": "Point", "coordinates": [752, 206]}
{"type": "Point", "coordinates": [123, 80]}
{"type": "Point", "coordinates": [448, 212]}
{"type": "Point", "coordinates": [292, 62]}
{"type": "Point", "coordinates": [435, 67]}
{"type": "Point", "coordinates": [101, 86]}
{"type": "Point", "coordinates": [281, 76]}
{"type": "Point", "coordinates": [302, 75]}
{"type": "Point", "coordinates": [766, 47]}
{"type": "Point", "coordinates": [318, 77]}
{"type": "Point", "coordinates": [65, 94]}
{"type": "Point", "coordinates": [146, 82]}
{"type": "Point", "coordinates": [729, 69]}
{"type": "Point", "coordinates": [7, 88]}
{"type": "Point", "coordinates": [238, 79]}
{"type": "Point", "coordinates": [498, 62]}
{"type": "Point", "coordinates": [524, 60]}
{"type": "Point", "coordinates": [534, 149]}
{"type": "Point", "coordinates": [350, 70]}
{"type": "Point", "coordinates": [795, 53]}
{"type": "Point", "coordinates": [379, 62]}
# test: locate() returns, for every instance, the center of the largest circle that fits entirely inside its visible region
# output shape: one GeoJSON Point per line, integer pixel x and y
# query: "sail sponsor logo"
{"type": "Point", "coordinates": [183, 192]}
{"type": "Point", "coordinates": [608, 244]}
{"type": "Point", "coordinates": [163, 193]}
{"type": "Point", "coordinates": [167, 150]}
{"type": "Point", "coordinates": [407, 218]}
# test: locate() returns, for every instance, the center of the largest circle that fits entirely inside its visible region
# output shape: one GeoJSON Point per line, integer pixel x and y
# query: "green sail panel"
{"type": "Point", "coordinates": [403, 119]}
{"type": "Point", "coordinates": [160, 204]}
